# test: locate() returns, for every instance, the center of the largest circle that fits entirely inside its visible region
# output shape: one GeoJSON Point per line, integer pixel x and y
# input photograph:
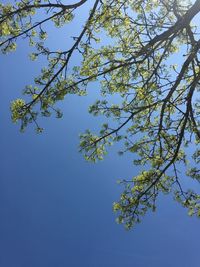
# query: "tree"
{"type": "Point", "coordinates": [129, 48]}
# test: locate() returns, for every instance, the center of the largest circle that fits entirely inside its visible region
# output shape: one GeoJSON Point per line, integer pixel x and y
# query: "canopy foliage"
{"type": "Point", "coordinates": [130, 48]}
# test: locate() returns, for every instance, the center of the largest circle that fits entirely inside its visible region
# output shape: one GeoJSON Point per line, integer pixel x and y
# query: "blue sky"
{"type": "Point", "coordinates": [56, 209]}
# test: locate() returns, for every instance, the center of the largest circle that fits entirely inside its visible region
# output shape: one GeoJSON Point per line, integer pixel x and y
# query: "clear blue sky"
{"type": "Point", "coordinates": [56, 209]}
